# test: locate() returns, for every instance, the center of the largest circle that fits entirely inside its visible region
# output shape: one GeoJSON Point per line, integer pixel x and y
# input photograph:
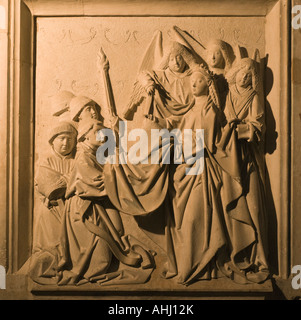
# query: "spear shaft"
{"type": "Point", "coordinates": [105, 66]}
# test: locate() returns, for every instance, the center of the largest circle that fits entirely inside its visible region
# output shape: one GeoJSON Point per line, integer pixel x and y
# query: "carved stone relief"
{"type": "Point", "coordinates": [200, 214]}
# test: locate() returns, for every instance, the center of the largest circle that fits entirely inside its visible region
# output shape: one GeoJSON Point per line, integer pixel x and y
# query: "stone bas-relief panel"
{"type": "Point", "coordinates": [67, 51]}
{"type": "Point", "coordinates": [114, 224]}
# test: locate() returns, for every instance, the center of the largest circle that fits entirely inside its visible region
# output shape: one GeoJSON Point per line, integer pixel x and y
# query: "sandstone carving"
{"type": "Point", "coordinates": [205, 193]}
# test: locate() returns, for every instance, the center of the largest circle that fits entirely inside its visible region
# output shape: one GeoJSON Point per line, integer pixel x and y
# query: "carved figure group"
{"type": "Point", "coordinates": [213, 221]}
{"type": "Point", "coordinates": [79, 236]}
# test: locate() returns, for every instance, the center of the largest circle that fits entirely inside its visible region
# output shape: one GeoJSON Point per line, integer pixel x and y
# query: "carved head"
{"type": "Point", "coordinates": [243, 74]}
{"type": "Point", "coordinates": [199, 81]}
{"type": "Point", "coordinates": [202, 83]}
{"type": "Point", "coordinates": [63, 138]}
{"type": "Point", "coordinates": [88, 131]}
{"type": "Point", "coordinates": [82, 108]}
{"type": "Point", "coordinates": [177, 57]}
{"type": "Point", "coordinates": [61, 103]}
{"type": "Point", "coordinates": [219, 54]}
{"type": "Point", "coordinates": [244, 77]}
{"type": "Point", "coordinates": [176, 63]}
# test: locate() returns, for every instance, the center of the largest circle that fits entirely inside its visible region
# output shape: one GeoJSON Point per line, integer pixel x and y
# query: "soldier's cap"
{"type": "Point", "coordinates": [60, 128]}
{"type": "Point", "coordinates": [86, 126]}
{"type": "Point", "coordinates": [60, 103]}
{"type": "Point", "coordinates": [77, 105]}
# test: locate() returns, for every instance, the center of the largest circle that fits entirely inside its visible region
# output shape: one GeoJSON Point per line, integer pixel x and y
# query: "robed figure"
{"type": "Point", "coordinates": [194, 233]}
{"type": "Point", "coordinates": [94, 246]}
{"type": "Point", "coordinates": [245, 214]}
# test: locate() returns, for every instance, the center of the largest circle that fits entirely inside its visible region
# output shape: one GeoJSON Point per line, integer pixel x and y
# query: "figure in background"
{"type": "Point", "coordinates": [173, 73]}
{"type": "Point", "coordinates": [220, 57]}
{"type": "Point", "coordinates": [95, 248]}
{"type": "Point", "coordinates": [60, 105]}
{"type": "Point", "coordinates": [167, 87]}
{"type": "Point", "coordinates": [245, 218]}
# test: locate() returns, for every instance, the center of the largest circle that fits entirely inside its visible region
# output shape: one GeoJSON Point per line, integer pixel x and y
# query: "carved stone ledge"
{"type": "Point", "coordinates": [218, 288]}
{"type": "Point", "coordinates": [150, 8]}
{"type": "Point", "coordinates": [21, 287]}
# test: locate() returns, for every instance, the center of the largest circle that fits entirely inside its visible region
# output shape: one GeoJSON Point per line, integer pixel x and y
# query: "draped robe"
{"type": "Point", "coordinates": [93, 233]}
{"type": "Point", "coordinates": [194, 229]}
{"type": "Point", "coordinates": [91, 244]}
{"type": "Point", "coordinates": [245, 214]}
{"type": "Point", "coordinates": [140, 189]}
{"type": "Point", "coordinates": [51, 183]}
{"type": "Point", "coordinates": [189, 216]}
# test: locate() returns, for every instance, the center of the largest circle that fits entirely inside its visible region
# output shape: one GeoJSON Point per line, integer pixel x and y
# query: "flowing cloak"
{"type": "Point", "coordinates": [245, 214]}
{"type": "Point", "coordinates": [140, 189]}
{"type": "Point", "coordinates": [177, 85]}
{"type": "Point", "coordinates": [191, 221]}
{"type": "Point", "coordinates": [173, 95]}
{"type": "Point", "coordinates": [51, 183]}
{"type": "Point", "coordinates": [93, 232]}
{"type": "Point", "coordinates": [194, 232]}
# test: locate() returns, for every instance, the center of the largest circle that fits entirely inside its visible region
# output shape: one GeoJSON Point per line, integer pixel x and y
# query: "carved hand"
{"type": "Point", "coordinates": [160, 122]}
{"type": "Point", "coordinates": [114, 122]}
{"type": "Point", "coordinates": [50, 203]}
{"type": "Point", "coordinates": [234, 122]}
{"type": "Point", "coordinates": [147, 83]}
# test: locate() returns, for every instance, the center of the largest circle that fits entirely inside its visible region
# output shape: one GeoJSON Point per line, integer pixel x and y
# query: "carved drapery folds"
{"type": "Point", "coordinates": [208, 205]}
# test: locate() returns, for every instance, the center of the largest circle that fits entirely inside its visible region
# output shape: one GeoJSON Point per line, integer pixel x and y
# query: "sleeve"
{"type": "Point", "coordinates": [253, 128]}
{"type": "Point", "coordinates": [50, 184]}
{"type": "Point", "coordinates": [86, 179]}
